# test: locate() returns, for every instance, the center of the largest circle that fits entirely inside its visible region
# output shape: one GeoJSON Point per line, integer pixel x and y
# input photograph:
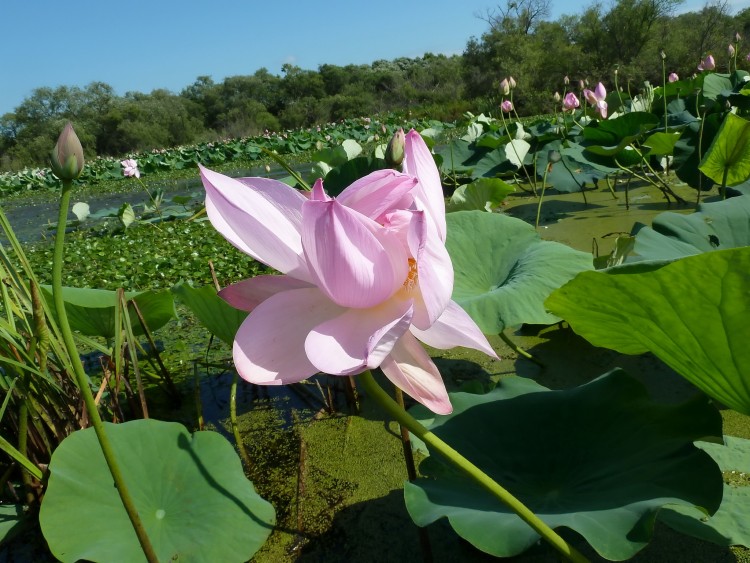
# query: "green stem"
{"type": "Point", "coordinates": [235, 426]}
{"type": "Point", "coordinates": [532, 185]}
{"type": "Point", "coordinates": [468, 468]}
{"type": "Point", "coordinates": [82, 380]}
{"type": "Point", "coordinates": [541, 197]}
{"type": "Point", "coordinates": [518, 350]}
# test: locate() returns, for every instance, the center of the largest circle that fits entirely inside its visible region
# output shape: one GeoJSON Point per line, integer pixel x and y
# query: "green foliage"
{"type": "Point", "coordinates": [504, 271]}
{"type": "Point", "coordinates": [190, 491]}
{"type": "Point", "coordinates": [574, 460]}
{"type": "Point", "coordinates": [691, 313]}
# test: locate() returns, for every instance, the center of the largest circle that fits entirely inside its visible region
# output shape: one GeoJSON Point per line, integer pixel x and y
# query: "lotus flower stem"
{"type": "Point", "coordinates": [235, 426]}
{"type": "Point", "coordinates": [520, 351]}
{"type": "Point", "coordinates": [520, 161]}
{"type": "Point", "coordinates": [83, 383]}
{"type": "Point", "coordinates": [468, 468]}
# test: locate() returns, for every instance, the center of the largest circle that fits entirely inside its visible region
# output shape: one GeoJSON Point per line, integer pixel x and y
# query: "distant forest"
{"type": "Point", "coordinates": [628, 36]}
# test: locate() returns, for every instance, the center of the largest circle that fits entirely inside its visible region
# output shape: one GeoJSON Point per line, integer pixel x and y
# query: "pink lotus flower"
{"type": "Point", "coordinates": [597, 98]}
{"type": "Point", "coordinates": [570, 101]}
{"type": "Point", "coordinates": [130, 168]}
{"type": "Point", "coordinates": [506, 106]}
{"type": "Point", "coordinates": [673, 77]}
{"type": "Point", "coordinates": [365, 275]}
{"type": "Point", "coordinates": [707, 64]}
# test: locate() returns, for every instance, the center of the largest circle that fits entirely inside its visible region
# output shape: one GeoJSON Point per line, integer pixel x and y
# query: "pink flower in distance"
{"type": "Point", "coordinates": [570, 101]}
{"type": "Point", "coordinates": [130, 168]}
{"type": "Point", "coordinates": [673, 77]}
{"type": "Point", "coordinates": [707, 64]}
{"type": "Point", "coordinates": [366, 274]}
{"type": "Point", "coordinates": [596, 97]}
{"type": "Point", "coordinates": [506, 106]}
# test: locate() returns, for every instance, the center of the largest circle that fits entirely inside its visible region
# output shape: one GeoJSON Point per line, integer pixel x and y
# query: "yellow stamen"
{"type": "Point", "coordinates": [412, 276]}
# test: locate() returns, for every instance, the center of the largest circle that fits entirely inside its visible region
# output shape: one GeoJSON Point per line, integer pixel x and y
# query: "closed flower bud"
{"type": "Point", "coordinates": [66, 159]}
{"type": "Point", "coordinates": [557, 97]}
{"type": "Point", "coordinates": [512, 83]}
{"type": "Point", "coordinates": [730, 50]}
{"type": "Point", "coordinates": [673, 77]}
{"type": "Point", "coordinates": [394, 152]}
{"type": "Point", "coordinates": [566, 80]}
{"type": "Point", "coordinates": [506, 106]}
{"type": "Point", "coordinates": [737, 37]}
{"type": "Point", "coordinates": [505, 87]}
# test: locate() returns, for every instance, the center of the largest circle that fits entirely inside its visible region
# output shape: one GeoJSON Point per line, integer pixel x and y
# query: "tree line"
{"type": "Point", "coordinates": [628, 36]}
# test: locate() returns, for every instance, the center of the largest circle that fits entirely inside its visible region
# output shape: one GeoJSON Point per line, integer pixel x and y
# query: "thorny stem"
{"type": "Point", "coordinates": [468, 468]}
{"type": "Point", "coordinates": [83, 384]}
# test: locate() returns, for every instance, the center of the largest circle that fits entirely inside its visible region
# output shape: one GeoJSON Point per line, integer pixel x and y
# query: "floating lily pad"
{"type": "Point", "coordinates": [574, 458]}
{"type": "Point", "coordinates": [715, 226]}
{"type": "Point", "coordinates": [92, 311]}
{"type": "Point", "coordinates": [190, 491]}
{"type": "Point", "coordinates": [504, 271]}
{"type": "Point", "coordinates": [691, 313]}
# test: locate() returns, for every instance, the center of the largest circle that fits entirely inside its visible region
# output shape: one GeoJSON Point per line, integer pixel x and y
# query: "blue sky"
{"type": "Point", "coordinates": [142, 45]}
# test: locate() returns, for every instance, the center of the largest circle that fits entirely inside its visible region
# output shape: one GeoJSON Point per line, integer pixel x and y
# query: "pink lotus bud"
{"type": "Point", "coordinates": [394, 152]}
{"type": "Point", "coordinates": [557, 97]}
{"type": "Point", "coordinates": [67, 157]}
{"type": "Point", "coordinates": [570, 101]}
{"type": "Point", "coordinates": [512, 83]}
{"type": "Point", "coordinates": [505, 87]}
{"type": "Point", "coordinates": [730, 50]}
{"type": "Point", "coordinates": [506, 106]}
{"type": "Point", "coordinates": [708, 63]}
{"type": "Point", "coordinates": [673, 77]}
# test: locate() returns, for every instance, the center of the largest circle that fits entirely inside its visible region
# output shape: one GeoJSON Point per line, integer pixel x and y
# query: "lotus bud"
{"type": "Point", "coordinates": [505, 87]}
{"type": "Point", "coordinates": [566, 80]}
{"type": "Point", "coordinates": [557, 97]}
{"type": "Point", "coordinates": [506, 106]}
{"type": "Point", "coordinates": [581, 85]}
{"type": "Point", "coordinates": [554, 156]}
{"type": "Point", "coordinates": [737, 37]}
{"type": "Point", "coordinates": [394, 152]}
{"type": "Point", "coordinates": [570, 101]}
{"type": "Point", "coordinates": [663, 55]}
{"type": "Point", "coordinates": [708, 63]}
{"type": "Point", "coordinates": [66, 159]}
{"type": "Point", "coordinates": [673, 77]}
{"type": "Point", "coordinates": [512, 83]}
{"type": "Point", "coordinates": [730, 50]}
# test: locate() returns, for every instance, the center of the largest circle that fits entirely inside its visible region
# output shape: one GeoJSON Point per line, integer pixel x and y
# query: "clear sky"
{"type": "Point", "coordinates": [141, 45]}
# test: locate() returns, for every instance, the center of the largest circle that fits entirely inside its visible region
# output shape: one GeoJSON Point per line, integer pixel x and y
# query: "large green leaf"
{"type": "Point", "coordinates": [574, 458]}
{"type": "Point", "coordinates": [691, 313]}
{"type": "Point", "coordinates": [92, 311]}
{"type": "Point", "coordinates": [727, 161]}
{"type": "Point", "coordinates": [731, 523]}
{"type": "Point", "coordinates": [690, 149]}
{"type": "Point", "coordinates": [220, 318]}
{"type": "Point", "coordinates": [715, 226]}
{"type": "Point", "coordinates": [484, 194]}
{"type": "Point", "coordinates": [572, 173]}
{"type": "Point", "coordinates": [504, 271]}
{"type": "Point", "coordinates": [190, 491]}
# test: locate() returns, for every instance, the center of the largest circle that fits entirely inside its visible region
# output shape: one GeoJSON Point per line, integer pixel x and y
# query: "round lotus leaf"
{"type": "Point", "coordinates": [189, 489]}
{"type": "Point", "coordinates": [600, 459]}
{"type": "Point", "coordinates": [504, 271]}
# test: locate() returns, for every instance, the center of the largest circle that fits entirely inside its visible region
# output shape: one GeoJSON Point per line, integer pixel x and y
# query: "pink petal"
{"type": "Point", "coordinates": [247, 294]}
{"type": "Point", "coordinates": [318, 193]}
{"type": "Point", "coordinates": [269, 348]}
{"type": "Point", "coordinates": [600, 91]}
{"type": "Point", "coordinates": [455, 328]}
{"type": "Point", "coordinates": [410, 369]}
{"type": "Point", "coordinates": [418, 162]}
{"type": "Point", "coordinates": [590, 97]}
{"type": "Point", "coordinates": [259, 216]}
{"type": "Point", "coordinates": [353, 260]}
{"type": "Point", "coordinates": [358, 339]}
{"type": "Point", "coordinates": [378, 193]}
{"type": "Point", "coordinates": [435, 277]}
